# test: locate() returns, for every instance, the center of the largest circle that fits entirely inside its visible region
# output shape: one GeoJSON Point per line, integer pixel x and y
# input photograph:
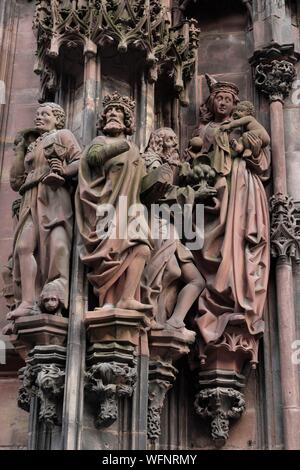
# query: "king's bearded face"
{"type": "Point", "coordinates": [115, 120]}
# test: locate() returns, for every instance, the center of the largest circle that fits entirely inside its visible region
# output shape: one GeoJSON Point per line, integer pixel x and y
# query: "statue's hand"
{"type": "Point", "coordinates": [225, 127]}
{"type": "Point", "coordinates": [255, 143]}
{"type": "Point", "coordinates": [205, 193]}
{"type": "Point", "coordinates": [237, 146]}
{"type": "Point", "coordinates": [57, 166]}
{"type": "Point", "coordinates": [161, 189]}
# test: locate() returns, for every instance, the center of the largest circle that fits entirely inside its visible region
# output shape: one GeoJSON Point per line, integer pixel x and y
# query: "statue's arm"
{"type": "Point", "coordinates": [244, 121]}
{"type": "Point", "coordinates": [73, 153]}
{"type": "Point", "coordinates": [17, 171]}
{"type": "Point", "coordinates": [100, 152]}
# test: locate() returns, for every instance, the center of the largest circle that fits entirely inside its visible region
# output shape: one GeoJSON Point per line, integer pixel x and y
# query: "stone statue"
{"type": "Point", "coordinates": [171, 281]}
{"type": "Point", "coordinates": [235, 256]}
{"type": "Point", "coordinates": [110, 177]}
{"type": "Point", "coordinates": [42, 239]}
{"type": "Point", "coordinates": [243, 116]}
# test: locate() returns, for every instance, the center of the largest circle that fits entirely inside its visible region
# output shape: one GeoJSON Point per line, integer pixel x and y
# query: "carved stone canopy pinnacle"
{"type": "Point", "coordinates": [92, 25]}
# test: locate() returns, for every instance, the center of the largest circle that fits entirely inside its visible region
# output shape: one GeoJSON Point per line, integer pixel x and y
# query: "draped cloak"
{"type": "Point", "coordinates": [108, 256]}
{"type": "Point", "coordinates": [48, 208]}
{"type": "Point", "coordinates": [235, 256]}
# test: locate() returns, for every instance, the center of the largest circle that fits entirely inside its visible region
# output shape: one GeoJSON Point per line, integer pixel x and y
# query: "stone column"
{"type": "Point", "coordinates": [91, 74]}
{"type": "Point", "coordinates": [274, 78]}
{"type": "Point", "coordinates": [75, 365]}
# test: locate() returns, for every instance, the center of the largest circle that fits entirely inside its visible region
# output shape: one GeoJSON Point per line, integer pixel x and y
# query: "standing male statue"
{"type": "Point", "coordinates": [42, 241]}
{"type": "Point", "coordinates": [110, 177]}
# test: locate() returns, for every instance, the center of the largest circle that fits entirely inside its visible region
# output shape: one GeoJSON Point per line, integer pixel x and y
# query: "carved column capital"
{"type": "Point", "coordinates": [275, 79]}
{"type": "Point", "coordinates": [285, 236]}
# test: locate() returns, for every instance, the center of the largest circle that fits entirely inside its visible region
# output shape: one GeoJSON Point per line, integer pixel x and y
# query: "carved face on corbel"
{"type": "Point", "coordinates": [51, 303]}
{"type": "Point", "coordinates": [51, 299]}
{"type": "Point", "coordinates": [223, 105]}
{"type": "Point", "coordinates": [45, 119]}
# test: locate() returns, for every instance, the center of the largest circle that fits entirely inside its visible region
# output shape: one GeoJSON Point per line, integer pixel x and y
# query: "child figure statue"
{"type": "Point", "coordinates": [243, 116]}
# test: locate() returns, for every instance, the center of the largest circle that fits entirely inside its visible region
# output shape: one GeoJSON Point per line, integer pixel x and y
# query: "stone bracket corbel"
{"type": "Point", "coordinates": [161, 378]}
{"type": "Point", "coordinates": [166, 346]}
{"type": "Point", "coordinates": [114, 340]}
{"type": "Point", "coordinates": [109, 381]}
{"type": "Point", "coordinates": [220, 404]}
{"type": "Point", "coordinates": [43, 377]}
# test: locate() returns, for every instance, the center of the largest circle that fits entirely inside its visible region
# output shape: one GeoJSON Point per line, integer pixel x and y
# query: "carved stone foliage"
{"type": "Point", "coordinates": [285, 233]}
{"type": "Point", "coordinates": [109, 381]}
{"type": "Point", "coordinates": [43, 377]}
{"type": "Point", "coordinates": [161, 379]}
{"type": "Point", "coordinates": [26, 391]}
{"type": "Point", "coordinates": [220, 404]}
{"type": "Point", "coordinates": [46, 382]}
{"type": "Point", "coordinates": [50, 383]}
{"type": "Point", "coordinates": [236, 340]}
{"type": "Point", "coordinates": [275, 79]}
{"type": "Point", "coordinates": [138, 24]}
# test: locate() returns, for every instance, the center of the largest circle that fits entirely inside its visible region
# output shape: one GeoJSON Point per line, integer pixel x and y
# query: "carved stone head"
{"type": "Point", "coordinates": [50, 116]}
{"type": "Point", "coordinates": [221, 102]}
{"type": "Point", "coordinates": [51, 299]}
{"type": "Point", "coordinates": [164, 142]}
{"type": "Point", "coordinates": [244, 108]}
{"type": "Point", "coordinates": [118, 115]}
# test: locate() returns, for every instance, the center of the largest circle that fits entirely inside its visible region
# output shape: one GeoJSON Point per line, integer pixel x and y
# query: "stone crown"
{"type": "Point", "coordinates": [116, 99]}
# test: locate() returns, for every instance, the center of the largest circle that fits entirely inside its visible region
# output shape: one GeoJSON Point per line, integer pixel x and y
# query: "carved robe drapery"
{"type": "Point", "coordinates": [235, 256]}
{"type": "Point", "coordinates": [108, 257]}
{"type": "Point", "coordinates": [48, 209]}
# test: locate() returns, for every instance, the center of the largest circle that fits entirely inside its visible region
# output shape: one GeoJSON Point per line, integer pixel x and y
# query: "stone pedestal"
{"type": "Point", "coordinates": [117, 375]}
{"type": "Point", "coordinates": [41, 342]}
{"type": "Point", "coordinates": [221, 380]}
{"type": "Point", "coordinates": [166, 347]}
{"type": "Point", "coordinates": [39, 330]}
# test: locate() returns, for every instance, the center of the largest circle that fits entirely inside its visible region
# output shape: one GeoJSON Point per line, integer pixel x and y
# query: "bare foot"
{"type": "Point", "coordinates": [188, 334]}
{"type": "Point", "coordinates": [8, 329]}
{"type": "Point", "coordinates": [132, 304]}
{"type": "Point", "coordinates": [154, 325]}
{"type": "Point", "coordinates": [25, 309]}
{"type": "Point", "coordinates": [237, 146]}
{"type": "Point", "coordinates": [247, 153]}
{"type": "Point", "coordinates": [175, 323]}
{"type": "Point", "coordinates": [108, 306]}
